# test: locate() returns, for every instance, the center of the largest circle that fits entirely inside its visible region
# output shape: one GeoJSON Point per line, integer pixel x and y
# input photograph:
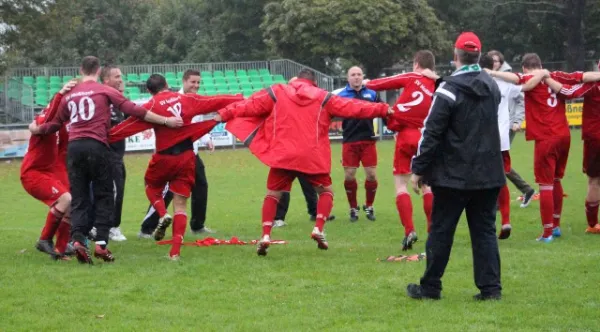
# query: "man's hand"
{"type": "Point", "coordinates": [34, 128]}
{"type": "Point", "coordinates": [415, 181]}
{"type": "Point", "coordinates": [390, 111]}
{"type": "Point", "coordinates": [218, 118]}
{"type": "Point", "coordinates": [364, 82]}
{"type": "Point", "coordinates": [67, 87]}
{"type": "Point", "coordinates": [211, 146]}
{"type": "Point", "coordinates": [487, 70]}
{"type": "Point", "coordinates": [516, 127]}
{"type": "Point", "coordinates": [430, 74]}
{"type": "Point", "coordinates": [174, 122]}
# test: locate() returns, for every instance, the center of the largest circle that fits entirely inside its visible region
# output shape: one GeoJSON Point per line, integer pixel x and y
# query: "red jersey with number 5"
{"type": "Point", "coordinates": [186, 106]}
{"type": "Point", "coordinates": [87, 107]}
{"type": "Point", "coordinates": [545, 113]}
{"type": "Point", "coordinates": [412, 106]}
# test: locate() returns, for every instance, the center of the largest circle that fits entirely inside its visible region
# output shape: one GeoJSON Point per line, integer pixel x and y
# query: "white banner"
{"type": "Point", "coordinates": [220, 136]}
{"type": "Point", "coordinates": [141, 141]}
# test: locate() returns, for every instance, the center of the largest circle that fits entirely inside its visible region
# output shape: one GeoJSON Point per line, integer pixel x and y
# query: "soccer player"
{"type": "Point", "coordinates": [174, 160]}
{"type": "Point", "coordinates": [359, 146]}
{"type": "Point", "coordinates": [516, 109]}
{"type": "Point", "coordinates": [44, 176]}
{"type": "Point", "coordinates": [191, 84]}
{"type": "Point", "coordinates": [411, 109]}
{"type": "Point", "coordinates": [547, 125]}
{"type": "Point", "coordinates": [87, 106]}
{"type": "Point", "coordinates": [590, 132]}
{"type": "Point", "coordinates": [286, 126]}
{"type": "Point", "coordinates": [510, 93]}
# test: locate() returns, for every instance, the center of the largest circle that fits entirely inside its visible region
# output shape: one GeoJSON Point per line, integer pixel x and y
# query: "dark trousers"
{"type": "Point", "coordinates": [515, 178]}
{"type": "Point", "coordinates": [310, 195]}
{"type": "Point", "coordinates": [480, 207]}
{"type": "Point", "coordinates": [88, 161]}
{"type": "Point", "coordinates": [119, 174]}
{"type": "Point", "coordinates": [199, 202]}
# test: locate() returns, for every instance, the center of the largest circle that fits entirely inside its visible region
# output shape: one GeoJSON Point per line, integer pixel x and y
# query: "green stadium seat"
{"type": "Point", "coordinates": [220, 86]}
{"type": "Point", "coordinates": [55, 85]}
{"type": "Point", "coordinates": [241, 73]}
{"type": "Point", "coordinates": [231, 79]}
{"type": "Point", "coordinates": [268, 80]}
{"type": "Point", "coordinates": [206, 74]}
{"type": "Point", "coordinates": [218, 73]}
{"type": "Point", "coordinates": [246, 86]}
{"type": "Point", "coordinates": [179, 75]}
{"type": "Point", "coordinates": [222, 89]}
{"type": "Point", "coordinates": [170, 75]}
{"type": "Point", "coordinates": [278, 78]}
{"type": "Point", "coordinates": [220, 80]}
{"type": "Point", "coordinates": [255, 79]}
{"type": "Point", "coordinates": [41, 79]}
{"type": "Point", "coordinates": [207, 80]}
{"type": "Point", "coordinates": [233, 86]}
{"type": "Point", "coordinates": [229, 73]}
{"type": "Point", "coordinates": [133, 77]}
{"type": "Point", "coordinates": [14, 94]}
{"type": "Point", "coordinates": [264, 71]}
{"type": "Point", "coordinates": [144, 77]}
{"type": "Point", "coordinates": [28, 80]}
{"type": "Point", "coordinates": [41, 100]}
{"type": "Point", "coordinates": [67, 78]}
{"type": "Point", "coordinates": [55, 79]}
{"type": "Point", "coordinates": [235, 92]}
{"type": "Point", "coordinates": [52, 92]}
{"type": "Point", "coordinates": [41, 92]}
{"type": "Point", "coordinates": [247, 93]}
{"type": "Point", "coordinates": [27, 100]}
{"type": "Point", "coordinates": [211, 93]}
{"type": "Point", "coordinates": [243, 79]}
{"type": "Point", "coordinates": [252, 72]}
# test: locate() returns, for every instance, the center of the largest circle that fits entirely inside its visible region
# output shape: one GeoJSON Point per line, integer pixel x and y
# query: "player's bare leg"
{"type": "Point", "coordinates": [592, 200]}
{"type": "Point", "coordinates": [324, 207]}
{"type": "Point", "coordinates": [405, 210]}
{"type": "Point", "coordinates": [269, 210]}
{"type": "Point", "coordinates": [351, 187]}
{"type": "Point", "coordinates": [370, 190]}
{"type": "Point", "coordinates": [53, 219]}
{"type": "Point", "coordinates": [179, 224]}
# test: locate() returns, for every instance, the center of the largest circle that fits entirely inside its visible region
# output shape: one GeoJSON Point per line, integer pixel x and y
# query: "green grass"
{"type": "Point", "coordinates": [296, 287]}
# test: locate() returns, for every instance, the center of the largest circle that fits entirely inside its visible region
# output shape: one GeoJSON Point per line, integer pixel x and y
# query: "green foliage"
{"type": "Point", "coordinates": [375, 34]}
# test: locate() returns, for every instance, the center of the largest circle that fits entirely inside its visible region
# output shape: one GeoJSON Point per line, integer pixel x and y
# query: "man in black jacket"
{"type": "Point", "coordinates": [459, 157]}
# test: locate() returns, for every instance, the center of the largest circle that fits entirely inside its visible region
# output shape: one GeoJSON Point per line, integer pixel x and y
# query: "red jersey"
{"type": "Point", "coordinates": [87, 107]}
{"type": "Point", "coordinates": [43, 153]}
{"type": "Point", "coordinates": [187, 106]}
{"type": "Point", "coordinates": [412, 106]}
{"type": "Point", "coordinates": [545, 113]}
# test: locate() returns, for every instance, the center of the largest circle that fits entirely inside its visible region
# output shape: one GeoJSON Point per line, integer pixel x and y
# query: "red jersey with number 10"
{"type": "Point", "coordinates": [412, 106]}
{"type": "Point", "coordinates": [545, 113]}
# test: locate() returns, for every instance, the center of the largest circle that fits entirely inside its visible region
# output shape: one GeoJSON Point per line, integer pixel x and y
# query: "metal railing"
{"type": "Point", "coordinates": [289, 69]}
{"type": "Point", "coordinates": [17, 102]}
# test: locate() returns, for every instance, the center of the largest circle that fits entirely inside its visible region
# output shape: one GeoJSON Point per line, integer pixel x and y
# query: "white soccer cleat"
{"type": "Point", "coordinates": [319, 237]}
{"type": "Point", "coordinates": [279, 223]}
{"type": "Point", "coordinates": [116, 235]}
{"type": "Point", "coordinates": [263, 245]}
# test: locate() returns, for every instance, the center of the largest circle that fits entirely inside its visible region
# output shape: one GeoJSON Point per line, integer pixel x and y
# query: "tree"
{"type": "Point", "coordinates": [375, 33]}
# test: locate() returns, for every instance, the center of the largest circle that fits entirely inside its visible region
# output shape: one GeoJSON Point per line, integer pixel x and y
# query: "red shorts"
{"type": "Point", "coordinates": [45, 187]}
{"type": "Point", "coordinates": [356, 152]}
{"type": "Point", "coordinates": [506, 161]}
{"type": "Point", "coordinates": [591, 158]}
{"type": "Point", "coordinates": [550, 159]}
{"type": "Point", "coordinates": [179, 171]}
{"type": "Point", "coordinates": [407, 143]}
{"type": "Point", "coordinates": [281, 179]}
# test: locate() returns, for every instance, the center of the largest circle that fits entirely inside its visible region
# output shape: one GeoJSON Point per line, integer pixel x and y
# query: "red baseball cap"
{"type": "Point", "coordinates": [468, 41]}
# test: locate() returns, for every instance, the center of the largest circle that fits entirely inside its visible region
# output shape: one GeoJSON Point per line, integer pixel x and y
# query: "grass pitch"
{"type": "Point", "coordinates": [296, 287]}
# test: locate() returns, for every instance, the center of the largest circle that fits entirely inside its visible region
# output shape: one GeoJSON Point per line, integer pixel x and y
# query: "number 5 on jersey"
{"type": "Point", "coordinates": [79, 112]}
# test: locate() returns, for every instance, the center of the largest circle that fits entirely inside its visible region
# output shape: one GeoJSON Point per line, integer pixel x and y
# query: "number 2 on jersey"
{"type": "Point", "coordinates": [552, 101]}
{"type": "Point", "coordinates": [79, 111]}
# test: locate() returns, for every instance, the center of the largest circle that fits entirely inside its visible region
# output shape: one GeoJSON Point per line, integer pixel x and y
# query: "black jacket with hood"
{"type": "Point", "coordinates": [460, 147]}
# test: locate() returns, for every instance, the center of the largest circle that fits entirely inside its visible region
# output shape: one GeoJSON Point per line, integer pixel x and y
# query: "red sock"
{"type": "Point", "coordinates": [404, 206]}
{"type": "Point", "coordinates": [504, 202]}
{"type": "Point", "coordinates": [546, 209]}
{"type": "Point", "coordinates": [558, 201]}
{"type": "Point", "coordinates": [62, 236]}
{"type": "Point", "coordinates": [427, 206]}
{"type": "Point", "coordinates": [324, 206]}
{"type": "Point", "coordinates": [371, 190]}
{"type": "Point", "coordinates": [351, 188]}
{"type": "Point", "coordinates": [268, 214]}
{"type": "Point", "coordinates": [591, 213]}
{"type": "Point", "coordinates": [156, 200]}
{"type": "Point", "coordinates": [52, 222]}
{"type": "Point", "coordinates": [179, 223]}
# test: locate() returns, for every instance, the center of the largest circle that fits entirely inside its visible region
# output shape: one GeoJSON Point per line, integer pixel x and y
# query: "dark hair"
{"type": "Point", "coordinates": [105, 73]}
{"type": "Point", "coordinates": [156, 83]}
{"type": "Point", "coordinates": [190, 72]}
{"type": "Point", "coordinates": [486, 61]}
{"type": "Point", "coordinates": [467, 58]}
{"type": "Point", "coordinates": [500, 56]}
{"type": "Point", "coordinates": [531, 61]}
{"type": "Point", "coordinates": [90, 65]}
{"type": "Point", "coordinates": [425, 59]}
{"type": "Point", "coordinates": [307, 74]}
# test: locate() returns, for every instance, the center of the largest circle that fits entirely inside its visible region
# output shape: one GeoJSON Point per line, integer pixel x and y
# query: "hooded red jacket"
{"type": "Point", "coordinates": [287, 126]}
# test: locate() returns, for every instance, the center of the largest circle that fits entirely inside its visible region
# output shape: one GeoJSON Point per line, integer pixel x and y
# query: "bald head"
{"type": "Point", "coordinates": [355, 77]}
